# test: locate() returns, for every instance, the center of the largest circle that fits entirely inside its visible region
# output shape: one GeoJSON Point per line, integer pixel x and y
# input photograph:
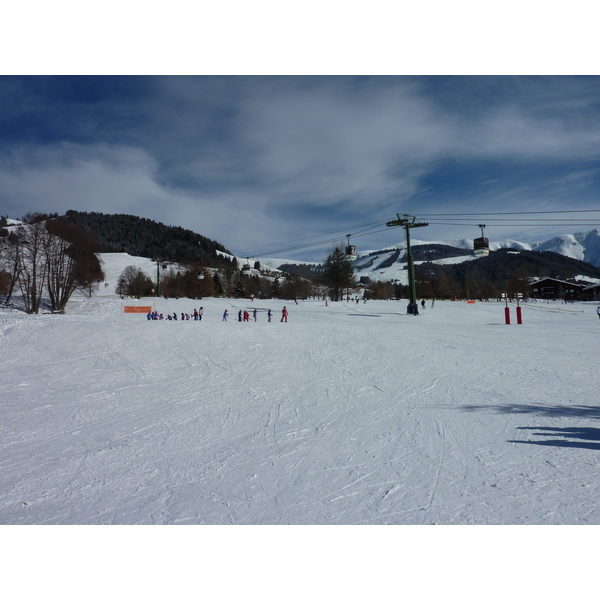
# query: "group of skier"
{"type": "Point", "coordinates": [243, 315]}
{"type": "Point", "coordinates": [195, 316]}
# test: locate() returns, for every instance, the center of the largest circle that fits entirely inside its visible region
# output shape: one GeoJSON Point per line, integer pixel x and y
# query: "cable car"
{"type": "Point", "coordinates": [481, 245]}
{"type": "Point", "coordinates": [350, 250]}
{"type": "Point", "coordinates": [246, 268]}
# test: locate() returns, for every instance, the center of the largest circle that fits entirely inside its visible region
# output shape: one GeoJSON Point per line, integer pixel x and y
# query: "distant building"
{"type": "Point", "coordinates": [592, 292]}
{"type": "Point", "coordinates": [555, 289]}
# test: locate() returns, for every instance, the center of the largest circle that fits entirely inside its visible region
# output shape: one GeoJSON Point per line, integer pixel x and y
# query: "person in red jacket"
{"type": "Point", "coordinates": [284, 315]}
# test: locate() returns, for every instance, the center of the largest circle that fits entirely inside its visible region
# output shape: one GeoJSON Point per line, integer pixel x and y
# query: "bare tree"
{"type": "Point", "coordinates": [32, 267]}
{"type": "Point", "coordinates": [44, 255]}
{"type": "Point", "coordinates": [10, 260]}
{"type": "Point", "coordinates": [72, 262]}
{"type": "Point", "coordinates": [134, 282]}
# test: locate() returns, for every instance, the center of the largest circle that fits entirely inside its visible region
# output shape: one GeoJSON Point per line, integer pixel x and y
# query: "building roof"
{"type": "Point", "coordinates": [537, 281]}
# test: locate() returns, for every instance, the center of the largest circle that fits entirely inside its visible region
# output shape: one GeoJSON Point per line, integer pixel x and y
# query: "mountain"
{"type": "Point", "coordinates": [582, 246]}
{"type": "Point", "coordinates": [583, 249]}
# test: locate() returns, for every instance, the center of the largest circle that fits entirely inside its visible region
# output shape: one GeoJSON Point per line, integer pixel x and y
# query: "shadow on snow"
{"type": "Point", "coordinates": [590, 435]}
{"type": "Point", "coordinates": [581, 411]}
{"type": "Point", "coordinates": [570, 437]}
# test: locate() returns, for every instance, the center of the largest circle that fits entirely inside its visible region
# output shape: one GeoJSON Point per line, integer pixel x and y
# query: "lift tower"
{"type": "Point", "coordinates": [406, 222]}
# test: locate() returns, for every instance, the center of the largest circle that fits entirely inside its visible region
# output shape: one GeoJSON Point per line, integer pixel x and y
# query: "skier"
{"type": "Point", "coordinates": [269, 314]}
{"type": "Point", "coordinates": [254, 312]}
{"type": "Point", "coordinates": [284, 315]}
{"type": "Point", "coordinates": [225, 314]}
{"type": "Point", "coordinates": [240, 316]}
{"type": "Point", "coordinates": [246, 316]}
{"type": "Point", "coordinates": [201, 312]}
{"type": "Point", "coordinates": [423, 303]}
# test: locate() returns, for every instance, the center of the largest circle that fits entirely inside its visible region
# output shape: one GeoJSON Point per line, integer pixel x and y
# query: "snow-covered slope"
{"type": "Point", "coordinates": [581, 246]}
{"type": "Point", "coordinates": [108, 418]}
{"type": "Point", "coordinates": [113, 264]}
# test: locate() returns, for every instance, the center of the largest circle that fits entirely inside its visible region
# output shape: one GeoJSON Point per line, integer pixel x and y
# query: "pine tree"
{"type": "Point", "coordinates": [338, 274]}
{"type": "Point", "coordinates": [218, 285]}
{"type": "Point", "coordinates": [275, 289]}
{"type": "Point", "coordinates": [238, 290]}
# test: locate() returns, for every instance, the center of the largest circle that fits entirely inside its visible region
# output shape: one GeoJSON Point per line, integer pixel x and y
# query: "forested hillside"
{"type": "Point", "coordinates": [143, 237]}
{"type": "Point", "coordinates": [504, 270]}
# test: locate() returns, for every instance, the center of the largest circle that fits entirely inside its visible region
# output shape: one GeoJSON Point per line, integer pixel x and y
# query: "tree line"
{"type": "Point", "coordinates": [139, 236]}
{"type": "Point", "coordinates": [486, 277]}
{"type": "Point", "coordinates": [331, 280]}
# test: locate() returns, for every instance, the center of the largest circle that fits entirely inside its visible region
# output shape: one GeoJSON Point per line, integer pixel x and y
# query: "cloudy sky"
{"type": "Point", "coordinates": [285, 165]}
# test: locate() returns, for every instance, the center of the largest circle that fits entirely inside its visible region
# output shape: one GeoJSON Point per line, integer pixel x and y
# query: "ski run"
{"type": "Point", "coordinates": [348, 414]}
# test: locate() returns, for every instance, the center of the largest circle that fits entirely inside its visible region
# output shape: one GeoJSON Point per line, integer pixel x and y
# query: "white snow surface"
{"type": "Point", "coordinates": [114, 263]}
{"type": "Point", "coordinates": [347, 414]}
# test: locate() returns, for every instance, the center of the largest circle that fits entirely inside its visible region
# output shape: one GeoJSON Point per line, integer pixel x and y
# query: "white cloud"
{"type": "Point", "coordinates": [123, 180]}
{"type": "Point", "coordinates": [248, 161]}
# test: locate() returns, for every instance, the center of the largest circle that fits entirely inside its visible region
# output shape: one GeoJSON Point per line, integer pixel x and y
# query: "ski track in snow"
{"type": "Point", "coordinates": [336, 417]}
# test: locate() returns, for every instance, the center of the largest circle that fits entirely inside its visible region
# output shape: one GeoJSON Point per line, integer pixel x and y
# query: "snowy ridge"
{"type": "Point", "coordinates": [582, 246]}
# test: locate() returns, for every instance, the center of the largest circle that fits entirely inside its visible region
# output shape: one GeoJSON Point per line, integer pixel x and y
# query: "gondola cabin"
{"type": "Point", "coordinates": [481, 245]}
{"type": "Point", "coordinates": [350, 250]}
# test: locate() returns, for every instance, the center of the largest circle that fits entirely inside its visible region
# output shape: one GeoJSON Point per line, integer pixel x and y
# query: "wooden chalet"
{"type": "Point", "coordinates": [555, 289]}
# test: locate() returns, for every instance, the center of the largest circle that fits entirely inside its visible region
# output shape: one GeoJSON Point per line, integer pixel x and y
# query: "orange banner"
{"type": "Point", "coordinates": [137, 309]}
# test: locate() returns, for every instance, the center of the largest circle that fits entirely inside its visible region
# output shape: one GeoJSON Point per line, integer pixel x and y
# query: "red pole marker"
{"type": "Point", "coordinates": [507, 315]}
{"type": "Point", "coordinates": [519, 317]}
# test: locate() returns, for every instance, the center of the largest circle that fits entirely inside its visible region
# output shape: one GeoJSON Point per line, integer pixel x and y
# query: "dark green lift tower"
{"type": "Point", "coordinates": [408, 221]}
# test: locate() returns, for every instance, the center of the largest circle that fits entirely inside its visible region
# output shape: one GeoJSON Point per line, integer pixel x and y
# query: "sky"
{"type": "Point", "coordinates": [281, 162]}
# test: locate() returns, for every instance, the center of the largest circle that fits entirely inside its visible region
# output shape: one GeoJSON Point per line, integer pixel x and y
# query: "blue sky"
{"type": "Point", "coordinates": [264, 164]}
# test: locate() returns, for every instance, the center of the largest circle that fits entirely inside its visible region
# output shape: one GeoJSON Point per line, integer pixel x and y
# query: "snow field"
{"type": "Point", "coordinates": [348, 414]}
